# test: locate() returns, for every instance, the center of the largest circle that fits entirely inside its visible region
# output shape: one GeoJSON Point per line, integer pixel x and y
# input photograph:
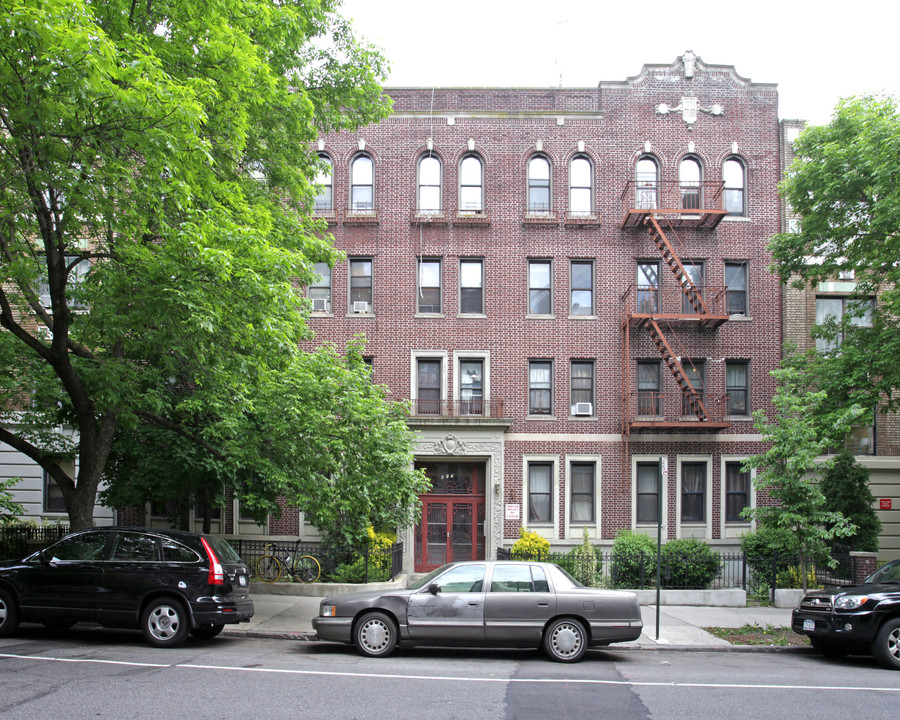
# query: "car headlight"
{"type": "Point", "coordinates": [850, 602]}
{"type": "Point", "coordinates": [328, 611]}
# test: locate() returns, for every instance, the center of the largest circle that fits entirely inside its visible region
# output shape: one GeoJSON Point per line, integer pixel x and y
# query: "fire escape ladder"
{"type": "Point", "coordinates": [692, 397]}
{"type": "Point", "coordinates": [691, 291]}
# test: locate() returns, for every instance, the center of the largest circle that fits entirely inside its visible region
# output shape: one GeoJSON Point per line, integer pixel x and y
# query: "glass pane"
{"type": "Point", "coordinates": [582, 302]}
{"type": "Point", "coordinates": [539, 275]}
{"type": "Point", "coordinates": [136, 546]}
{"type": "Point", "coordinates": [362, 171]}
{"type": "Point", "coordinates": [430, 171]}
{"type": "Point", "coordinates": [470, 274]}
{"type": "Point", "coordinates": [429, 198]}
{"type": "Point", "coordinates": [582, 275]}
{"type": "Point", "coordinates": [429, 274]}
{"type": "Point", "coordinates": [580, 173]}
{"type": "Point", "coordinates": [538, 170]}
{"type": "Point", "coordinates": [511, 578]}
{"type": "Point", "coordinates": [324, 273]}
{"type": "Point", "coordinates": [470, 171]}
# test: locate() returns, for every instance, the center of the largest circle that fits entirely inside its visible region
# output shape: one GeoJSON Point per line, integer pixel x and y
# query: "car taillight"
{"type": "Point", "coordinates": [216, 573]}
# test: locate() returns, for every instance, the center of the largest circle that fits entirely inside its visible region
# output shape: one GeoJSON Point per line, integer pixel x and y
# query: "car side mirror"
{"type": "Point", "coordinates": [434, 588]}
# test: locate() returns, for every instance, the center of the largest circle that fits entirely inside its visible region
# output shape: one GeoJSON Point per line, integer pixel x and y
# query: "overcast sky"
{"type": "Point", "coordinates": [816, 52]}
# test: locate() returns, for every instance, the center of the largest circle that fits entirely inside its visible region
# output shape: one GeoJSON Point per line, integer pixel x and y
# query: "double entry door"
{"type": "Point", "coordinates": [452, 524]}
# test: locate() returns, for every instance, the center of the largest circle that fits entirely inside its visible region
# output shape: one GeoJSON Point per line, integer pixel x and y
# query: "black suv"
{"type": "Point", "coordinates": [865, 618]}
{"type": "Point", "coordinates": [167, 583]}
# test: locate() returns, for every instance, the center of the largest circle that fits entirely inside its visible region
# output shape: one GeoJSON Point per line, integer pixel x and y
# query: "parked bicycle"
{"type": "Point", "coordinates": [271, 566]}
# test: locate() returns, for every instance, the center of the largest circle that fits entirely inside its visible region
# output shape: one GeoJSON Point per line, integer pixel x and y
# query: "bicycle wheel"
{"type": "Point", "coordinates": [307, 569]}
{"type": "Point", "coordinates": [268, 568]}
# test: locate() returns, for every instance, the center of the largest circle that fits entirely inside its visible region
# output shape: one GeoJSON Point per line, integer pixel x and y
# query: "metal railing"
{"type": "Point", "coordinates": [457, 408]}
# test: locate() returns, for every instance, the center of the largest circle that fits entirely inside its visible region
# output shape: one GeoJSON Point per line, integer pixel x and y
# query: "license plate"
{"type": "Point", "coordinates": [809, 624]}
{"type": "Point", "coordinates": [242, 581]}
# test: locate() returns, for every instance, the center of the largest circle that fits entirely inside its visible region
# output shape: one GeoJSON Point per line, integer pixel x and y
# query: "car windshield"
{"type": "Point", "coordinates": [561, 579]}
{"type": "Point", "coordinates": [890, 573]}
{"type": "Point", "coordinates": [424, 581]}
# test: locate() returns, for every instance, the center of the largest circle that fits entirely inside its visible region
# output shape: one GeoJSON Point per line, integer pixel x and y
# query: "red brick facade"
{"type": "Point", "coordinates": [612, 126]}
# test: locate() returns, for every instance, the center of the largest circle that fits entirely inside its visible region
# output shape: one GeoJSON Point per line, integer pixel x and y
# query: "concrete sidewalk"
{"type": "Point", "coordinates": [680, 627]}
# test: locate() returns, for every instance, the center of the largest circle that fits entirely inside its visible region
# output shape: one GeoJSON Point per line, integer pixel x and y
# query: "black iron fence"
{"type": "Point", "coordinates": [759, 576]}
{"type": "Point", "coordinates": [344, 565]}
{"type": "Point", "coordinates": [17, 541]}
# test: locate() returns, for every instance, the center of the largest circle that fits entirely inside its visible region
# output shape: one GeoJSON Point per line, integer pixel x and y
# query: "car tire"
{"type": "Point", "coordinates": [886, 646]}
{"type": "Point", "coordinates": [829, 648]}
{"type": "Point", "coordinates": [207, 632]}
{"type": "Point", "coordinates": [9, 614]}
{"type": "Point", "coordinates": [165, 622]}
{"type": "Point", "coordinates": [565, 640]}
{"type": "Point", "coordinates": [375, 635]}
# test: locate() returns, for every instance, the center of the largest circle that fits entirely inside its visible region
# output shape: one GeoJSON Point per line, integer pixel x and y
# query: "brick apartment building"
{"type": "Point", "coordinates": [571, 288]}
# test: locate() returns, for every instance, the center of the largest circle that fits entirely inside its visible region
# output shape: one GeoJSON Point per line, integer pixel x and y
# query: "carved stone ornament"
{"type": "Point", "coordinates": [451, 444]}
{"type": "Point", "coordinates": [689, 107]}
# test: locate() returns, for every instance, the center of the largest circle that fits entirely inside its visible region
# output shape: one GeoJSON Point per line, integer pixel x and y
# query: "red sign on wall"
{"type": "Point", "coordinates": [884, 504]}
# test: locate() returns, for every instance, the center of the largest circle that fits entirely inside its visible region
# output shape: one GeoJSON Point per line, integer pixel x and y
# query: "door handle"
{"type": "Point", "coordinates": [543, 603]}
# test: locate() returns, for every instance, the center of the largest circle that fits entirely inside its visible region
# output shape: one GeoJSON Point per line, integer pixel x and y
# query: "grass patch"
{"type": "Point", "coordinates": [753, 634]}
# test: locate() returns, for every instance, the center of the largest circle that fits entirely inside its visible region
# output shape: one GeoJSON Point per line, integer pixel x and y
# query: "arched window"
{"type": "Point", "coordinates": [690, 173]}
{"type": "Point", "coordinates": [539, 184]}
{"type": "Point", "coordinates": [325, 181]}
{"type": "Point", "coordinates": [428, 198]}
{"type": "Point", "coordinates": [580, 186]}
{"type": "Point", "coordinates": [471, 185]}
{"type": "Point", "coordinates": [362, 184]}
{"type": "Point", "coordinates": [735, 177]}
{"type": "Point", "coordinates": [646, 176]}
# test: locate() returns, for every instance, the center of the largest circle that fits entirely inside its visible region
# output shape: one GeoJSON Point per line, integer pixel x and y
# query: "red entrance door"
{"type": "Point", "coordinates": [452, 525]}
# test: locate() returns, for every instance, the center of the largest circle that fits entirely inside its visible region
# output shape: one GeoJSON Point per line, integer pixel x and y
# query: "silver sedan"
{"type": "Point", "coordinates": [484, 604]}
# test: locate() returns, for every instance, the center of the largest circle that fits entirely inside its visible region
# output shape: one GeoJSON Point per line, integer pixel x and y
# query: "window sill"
{"type": "Point", "coordinates": [474, 218]}
{"type": "Point", "coordinates": [324, 314]}
{"type": "Point", "coordinates": [740, 318]}
{"type": "Point", "coordinates": [428, 217]}
{"type": "Point", "coordinates": [360, 315]}
{"type": "Point", "coordinates": [582, 317]}
{"type": "Point", "coordinates": [541, 418]}
{"type": "Point", "coordinates": [540, 218]}
{"type": "Point", "coordinates": [576, 219]}
{"type": "Point", "coordinates": [736, 218]}
{"type": "Point", "coordinates": [540, 317]}
{"type": "Point", "coordinates": [428, 316]}
{"type": "Point", "coordinates": [329, 216]}
{"type": "Point", "coordinates": [471, 316]}
{"type": "Point", "coordinates": [582, 418]}
{"type": "Point", "coordinates": [352, 218]}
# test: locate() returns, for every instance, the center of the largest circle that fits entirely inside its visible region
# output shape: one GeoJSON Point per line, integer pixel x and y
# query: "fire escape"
{"type": "Point", "coordinates": [660, 309]}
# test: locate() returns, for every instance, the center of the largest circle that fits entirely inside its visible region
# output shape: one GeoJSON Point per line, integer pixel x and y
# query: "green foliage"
{"type": "Point", "coordinates": [845, 485]}
{"type": "Point", "coordinates": [688, 563]}
{"type": "Point", "coordinates": [586, 562]}
{"type": "Point", "coordinates": [530, 546]}
{"type": "Point", "coordinates": [767, 544]}
{"type": "Point", "coordinates": [844, 187]}
{"type": "Point", "coordinates": [379, 562]}
{"type": "Point", "coordinates": [792, 578]}
{"type": "Point", "coordinates": [171, 147]}
{"type": "Point", "coordinates": [633, 560]}
{"type": "Point", "coordinates": [785, 470]}
{"type": "Point", "coordinates": [9, 509]}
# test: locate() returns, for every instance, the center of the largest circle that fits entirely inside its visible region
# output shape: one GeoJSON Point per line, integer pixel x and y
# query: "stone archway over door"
{"type": "Point", "coordinates": [452, 526]}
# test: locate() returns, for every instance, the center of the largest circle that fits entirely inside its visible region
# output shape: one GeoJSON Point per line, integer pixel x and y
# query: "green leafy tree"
{"type": "Point", "coordinates": [155, 217]}
{"type": "Point", "coordinates": [9, 508]}
{"type": "Point", "coordinates": [786, 470]}
{"type": "Point", "coordinates": [843, 185]}
{"type": "Point", "coordinates": [845, 485]}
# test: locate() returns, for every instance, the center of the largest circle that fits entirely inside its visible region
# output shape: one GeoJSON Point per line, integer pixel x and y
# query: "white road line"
{"type": "Point", "coordinates": [450, 678]}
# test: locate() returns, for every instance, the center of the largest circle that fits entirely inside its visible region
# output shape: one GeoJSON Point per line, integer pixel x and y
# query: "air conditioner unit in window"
{"type": "Point", "coordinates": [320, 305]}
{"type": "Point", "coordinates": [360, 306]}
{"type": "Point", "coordinates": [584, 409]}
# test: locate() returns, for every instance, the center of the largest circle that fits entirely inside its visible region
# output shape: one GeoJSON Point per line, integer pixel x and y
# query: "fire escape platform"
{"type": "Point", "coordinates": [689, 425]}
{"type": "Point", "coordinates": [706, 321]}
{"type": "Point", "coordinates": [701, 218]}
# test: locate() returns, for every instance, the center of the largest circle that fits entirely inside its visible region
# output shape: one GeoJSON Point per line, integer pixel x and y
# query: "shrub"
{"type": "Point", "coordinates": [845, 485]}
{"type": "Point", "coordinates": [587, 562]}
{"type": "Point", "coordinates": [791, 578]}
{"type": "Point", "coordinates": [688, 563]}
{"type": "Point", "coordinates": [530, 546]}
{"type": "Point", "coordinates": [633, 559]}
{"type": "Point", "coordinates": [761, 546]}
{"type": "Point", "coordinates": [355, 572]}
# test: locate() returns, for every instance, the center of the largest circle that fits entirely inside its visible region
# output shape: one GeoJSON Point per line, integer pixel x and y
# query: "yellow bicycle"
{"type": "Point", "coordinates": [271, 566]}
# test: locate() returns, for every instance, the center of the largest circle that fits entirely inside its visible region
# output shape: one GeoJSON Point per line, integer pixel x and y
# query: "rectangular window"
{"type": "Point", "coordinates": [648, 492]}
{"type": "Point", "coordinates": [471, 387]}
{"type": "Point", "coordinates": [471, 287]}
{"type": "Point", "coordinates": [540, 387]}
{"type": "Point", "coordinates": [833, 309]}
{"type": "Point", "coordinates": [361, 286]}
{"type": "Point", "coordinates": [540, 492]}
{"type": "Point", "coordinates": [582, 387]}
{"type": "Point", "coordinates": [736, 288]}
{"type": "Point", "coordinates": [582, 288]}
{"type": "Point", "coordinates": [539, 299]}
{"type": "Point", "coordinates": [693, 492]}
{"type": "Point", "coordinates": [428, 295]}
{"type": "Point", "coordinates": [428, 378]}
{"type": "Point", "coordinates": [737, 492]}
{"type": "Point", "coordinates": [737, 387]}
{"type": "Point", "coordinates": [649, 401]}
{"type": "Point", "coordinates": [320, 291]}
{"type": "Point", "coordinates": [583, 492]}
{"type": "Point", "coordinates": [647, 288]}
{"type": "Point", "coordinates": [695, 273]}
{"type": "Point", "coordinates": [695, 373]}
{"type": "Point", "coordinates": [53, 497]}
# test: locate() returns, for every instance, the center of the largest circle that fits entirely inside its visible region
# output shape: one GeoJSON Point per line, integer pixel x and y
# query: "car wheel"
{"type": "Point", "coordinates": [207, 632]}
{"type": "Point", "coordinates": [375, 635]}
{"type": "Point", "coordinates": [565, 640]}
{"type": "Point", "coordinates": [9, 617]}
{"type": "Point", "coordinates": [165, 623]}
{"type": "Point", "coordinates": [829, 648]}
{"type": "Point", "coordinates": [886, 646]}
